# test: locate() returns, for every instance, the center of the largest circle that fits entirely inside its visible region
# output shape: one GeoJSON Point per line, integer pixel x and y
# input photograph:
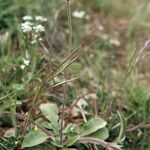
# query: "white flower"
{"type": "Point", "coordinates": [35, 36]}
{"type": "Point", "coordinates": [26, 62]}
{"type": "Point", "coordinates": [26, 18]}
{"type": "Point", "coordinates": [27, 23]}
{"type": "Point", "coordinates": [22, 66]}
{"type": "Point", "coordinates": [26, 26]}
{"type": "Point", "coordinates": [40, 18]}
{"type": "Point", "coordinates": [114, 42]}
{"type": "Point", "coordinates": [33, 41]}
{"type": "Point", "coordinates": [78, 14]}
{"type": "Point", "coordinates": [39, 28]}
{"type": "Point", "coordinates": [40, 39]}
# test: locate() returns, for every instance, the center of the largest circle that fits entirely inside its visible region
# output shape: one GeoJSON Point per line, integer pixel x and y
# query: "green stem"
{"type": "Point", "coordinates": [66, 70]}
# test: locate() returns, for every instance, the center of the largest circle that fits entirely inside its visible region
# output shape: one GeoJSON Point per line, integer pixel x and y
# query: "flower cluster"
{"type": "Point", "coordinates": [39, 28]}
{"type": "Point", "coordinates": [33, 26]}
{"type": "Point", "coordinates": [27, 18]}
{"type": "Point", "coordinates": [26, 27]}
{"type": "Point", "coordinates": [40, 18]}
{"type": "Point", "coordinates": [80, 14]}
{"type": "Point", "coordinates": [26, 62]}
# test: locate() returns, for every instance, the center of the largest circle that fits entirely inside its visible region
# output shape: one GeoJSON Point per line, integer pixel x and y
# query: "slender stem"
{"type": "Point", "coordinates": [107, 145]}
{"type": "Point", "coordinates": [67, 69]}
{"type": "Point", "coordinates": [69, 24]}
{"type": "Point", "coordinates": [139, 126]}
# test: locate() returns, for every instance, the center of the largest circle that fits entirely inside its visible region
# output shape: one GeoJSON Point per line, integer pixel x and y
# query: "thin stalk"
{"type": "Point", "coordinates": [69, 24]}
{"type": "Point", "coordinates": [67, 69]}
{"type": "Point", "coordinates": [107, 145]}
{"type": "Point", "coordinates": [139, 126]}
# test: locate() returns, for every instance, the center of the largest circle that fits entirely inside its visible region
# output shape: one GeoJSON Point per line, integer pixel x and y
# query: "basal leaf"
{"type": "Point", "coordinates": [50, 111]}
{"type": "Point", "coordinates": [92, 126]}
{"type": "Point", "coordinates": [39, 147]}
{"type": "Point", "coordinates": [71, 129]}
{"type": "Point", "coordinates": [72, 140]}
{"type": "Point", "coordinates": [34, 138]}
{"type": "Point", "coordinates": [101, 134]}
{"type": "Point", "coordinates": [56, 142]}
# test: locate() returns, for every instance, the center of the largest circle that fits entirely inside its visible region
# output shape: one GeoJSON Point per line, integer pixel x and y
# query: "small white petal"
{"type": "Point", "coordinates": [28, 23]}
{"type": "Point", "coordinates": [25, 18]}
{"type": "Point", "coordinates": [39, 28]}
{"type": "Point", "coordinates": [40, 39]}
{"type": "Point", "coordinates": [22, 66]}
{"type": "Point", "coordinates": [35, 36]}
{"type": "Point", "coordinates": [33, 41]}
{"type": "Point", "coordinates": [26, 62]}
{"type": "Point", "coordinates": [78, 14]}
{"type": "Point", "coordinates": [40, 18]}
{"type": "Point", "coordinates": [26, 26]}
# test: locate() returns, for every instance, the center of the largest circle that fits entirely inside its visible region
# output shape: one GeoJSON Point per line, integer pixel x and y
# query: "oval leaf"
{"type": "Point", "coordinates": [101, 134]}
{"type": "Point", "coordinates": [38, 147]}
{"type": "Point", "coordinates": [72, 140]}
{"type": "Point", "coordinates": [34, 138]}
{"type": "Point", "coordinates": [50, 111]}
{"type": "Point", "coordinates": [92, 126]}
